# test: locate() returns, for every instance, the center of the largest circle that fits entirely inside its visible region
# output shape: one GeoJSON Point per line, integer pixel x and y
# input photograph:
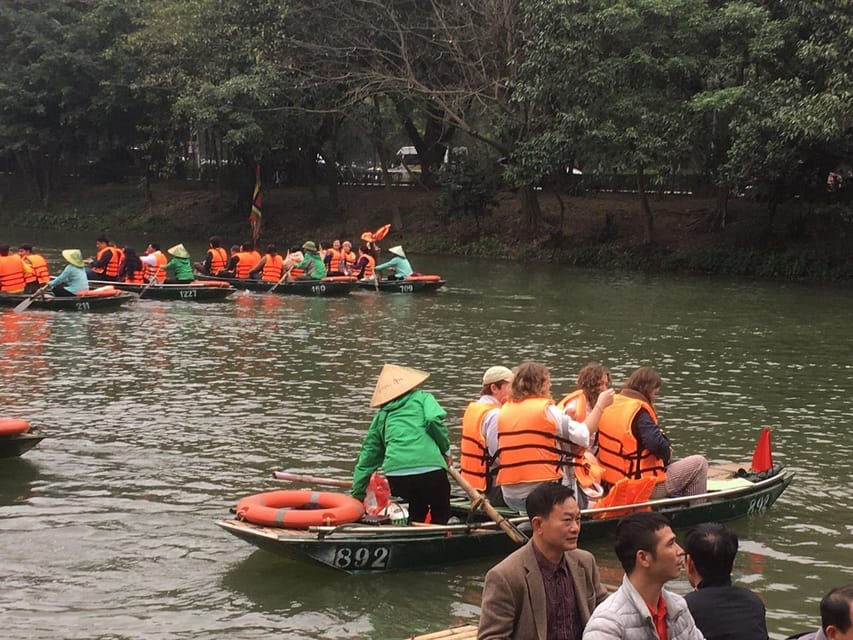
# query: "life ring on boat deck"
{"type": "Point", "coordinates": [339, 279]}
{"type": "Point", "coordinates": [209, 283]}
{"type": "Point", "coordinates": [13, 427]}
{"type": "Point", "coordinates": [423, 278]}
{"type": "Point", "coordinates": [299, 509]}
{"type": "Point", "coordinates": [107, 291]}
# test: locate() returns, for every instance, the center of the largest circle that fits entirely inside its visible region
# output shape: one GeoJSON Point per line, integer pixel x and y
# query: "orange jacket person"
{"type": "Point", "coordinates": [39, 274]}
{"type": "Point", "coordinates": [13, 271]}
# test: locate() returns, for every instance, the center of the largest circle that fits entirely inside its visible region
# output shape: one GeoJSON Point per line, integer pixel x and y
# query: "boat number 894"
{"type": "Point", "coordinates": [361, 557]}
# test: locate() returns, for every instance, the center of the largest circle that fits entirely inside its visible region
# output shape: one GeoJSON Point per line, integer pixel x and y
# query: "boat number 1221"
{"type": "Point", "coordinates": [361, 558]}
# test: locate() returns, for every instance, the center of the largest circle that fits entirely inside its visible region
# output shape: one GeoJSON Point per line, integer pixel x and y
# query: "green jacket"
{"type": "Point", "coordinates": [181, 267]}
{"type": "Point", "coordinates": [406, 433]}
{"type": "Point", "coordinates": [313, 265]}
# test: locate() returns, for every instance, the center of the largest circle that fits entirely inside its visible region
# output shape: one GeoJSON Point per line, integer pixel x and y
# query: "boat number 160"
{"type": "Point", "coordinates": [361, 557]}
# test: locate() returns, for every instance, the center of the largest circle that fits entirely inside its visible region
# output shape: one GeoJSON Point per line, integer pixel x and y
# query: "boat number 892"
{"type": "Point", "coordinates": [361, 557]}
{"type": "Point", "coordinates": [758, 504]}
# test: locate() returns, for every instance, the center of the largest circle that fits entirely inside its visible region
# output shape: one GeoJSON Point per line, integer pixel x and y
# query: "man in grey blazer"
{"type": "Point", "coordinates": [547, 589]}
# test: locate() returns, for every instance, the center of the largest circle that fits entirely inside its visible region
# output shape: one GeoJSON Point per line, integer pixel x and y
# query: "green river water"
{"type": "Point", "coordinates": [161, 415]}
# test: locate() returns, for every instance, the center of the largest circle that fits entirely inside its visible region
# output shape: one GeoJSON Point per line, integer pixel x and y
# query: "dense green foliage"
{"type": "Point", "coordinates": [744, 95]}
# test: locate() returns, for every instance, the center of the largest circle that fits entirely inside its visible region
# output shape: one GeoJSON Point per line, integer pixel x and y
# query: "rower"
{"type": "Point", "coordinates": [399, 263]}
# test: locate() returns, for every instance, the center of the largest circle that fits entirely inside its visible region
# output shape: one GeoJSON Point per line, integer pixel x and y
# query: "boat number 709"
{"type": "Point", "coordinates": [361, 557]}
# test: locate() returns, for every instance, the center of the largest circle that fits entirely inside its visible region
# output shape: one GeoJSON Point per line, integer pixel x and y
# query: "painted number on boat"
{"type": "Point", "coordinates": [318, 288]}
{"type": "Point", "coordinates": [361, 557]}
{"type": "Point", "coordinates": [82, 306]}
{"type": "Point", "coordinates": [758, 504]}
{"type": "Point", "coordinates": [407, 288]}
{"type": "Point", "coordinates": [188, 293]}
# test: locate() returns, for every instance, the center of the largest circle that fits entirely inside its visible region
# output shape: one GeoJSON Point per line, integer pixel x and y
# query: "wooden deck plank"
{"type": "Point", "coordinates": [466, 632]}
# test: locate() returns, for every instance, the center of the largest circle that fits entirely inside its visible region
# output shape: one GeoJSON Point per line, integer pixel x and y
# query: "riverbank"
{"type": "Point", "coordinates": [603, 230]}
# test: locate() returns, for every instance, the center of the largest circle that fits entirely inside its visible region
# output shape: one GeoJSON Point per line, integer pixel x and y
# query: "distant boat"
{"type": "Point", "coordinates": [17, 437]}
{"type": "Point", "coordinates": [92, 300]}
{"type": "Point", "coordinates": [334, 286]}
{"type": "Point", "coordinates": [195, 291]}
{"type": "Point", "coordinates": [412, 284]}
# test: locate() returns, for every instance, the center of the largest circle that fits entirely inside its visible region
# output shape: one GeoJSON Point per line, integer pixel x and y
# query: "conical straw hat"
{"type": "Point", "coordinates": [397, 251]}
{"type": "Point", "coordinates": [73, 256]}
{"type": "Point", "coordinates": [179, 251]}
{"type": "Point", "coordinates": [394, 381]}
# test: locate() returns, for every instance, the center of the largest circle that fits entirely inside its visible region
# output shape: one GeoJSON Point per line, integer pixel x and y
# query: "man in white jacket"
{"type": "Point", "coordinates": [641, 609]}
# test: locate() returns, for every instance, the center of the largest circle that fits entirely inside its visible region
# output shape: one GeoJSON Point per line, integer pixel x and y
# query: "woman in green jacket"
{"type": "Point", "coordinates": [409, 440]}
{"type": "Point", "coordinates": [179, 268]}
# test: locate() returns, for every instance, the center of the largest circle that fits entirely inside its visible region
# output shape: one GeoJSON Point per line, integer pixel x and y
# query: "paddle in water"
{"type": "Point", "coordinates": [24, 304]}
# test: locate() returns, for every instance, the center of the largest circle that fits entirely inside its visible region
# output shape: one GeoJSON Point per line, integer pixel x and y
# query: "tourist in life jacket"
{"type": "Point", "coordinates": [39, 274]}
{"type": "Point", "coordinates": [399, 263]}
{"type": "Point", "coordinates": [215, 260]}
{"type": "Point", "coordinates": [332, 259]}
{"type": "Point", "coordinates": [409, 440]}
{"type": "Point", "coordinates": [271, 266]}
{"type": "Point", "coordinates": [105, 265]}
{"type": "Point", "coordinates": [593, 379]}
{"type": "Point", "coordinates": [312, 264]}
{"type": "Point", "coordinates": [363, 267]}
{"type": "Point", "coordinates": [13, 271]}
{"type": "Point", "coordinates": [153, 263]}
{"type": "Point", "coordinates": [632, 445]}
{"type": "Point", "coordinates": [348, 258]}
{"type": "Point", "coordinates": [294, 257]}
{"type": "Point", "coordinates": [242, 262]}
{"type": "Point", "coordinates": [480, 433]}
{"type": "Point", "coordinates": [73, 278]}
{"type": "Point", "coordinates": [179, 269]}
{"type": "Point", "coordinates": [132, 270]}
{"type": "Point", "coordinates": [532, 432]}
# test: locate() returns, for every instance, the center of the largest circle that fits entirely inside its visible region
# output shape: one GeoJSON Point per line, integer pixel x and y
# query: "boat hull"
{"type": "Point", "coordinates": [70, 303]}
{"type": "Point", "coordinates": [364, 549]}
{"type": "Point", "coordinates": [18, 445]}
{"type": "Point", "coordinates": [190, 292]}
{"type": "Point", "coordinates": [401, 286]}
{"type": "Point", "coordinates": [325, 287]}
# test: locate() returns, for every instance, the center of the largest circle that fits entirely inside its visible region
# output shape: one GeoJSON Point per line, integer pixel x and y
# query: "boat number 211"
{"type": "Point", "coordinates": [361, 558]}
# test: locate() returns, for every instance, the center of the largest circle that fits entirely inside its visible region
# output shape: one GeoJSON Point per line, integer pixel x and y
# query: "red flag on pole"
{"type": "Point", "coordinates": [257, 201]}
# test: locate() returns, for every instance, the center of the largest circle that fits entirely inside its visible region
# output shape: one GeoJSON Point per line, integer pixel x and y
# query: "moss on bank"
{"type": "Point", "coordinates": [599, 231]}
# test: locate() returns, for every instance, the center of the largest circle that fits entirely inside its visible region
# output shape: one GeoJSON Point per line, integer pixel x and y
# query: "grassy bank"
{"type": "Point", "coordinates": [602, 231]}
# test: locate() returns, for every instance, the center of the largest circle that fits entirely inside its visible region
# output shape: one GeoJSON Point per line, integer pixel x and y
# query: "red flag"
{"type": "Point", "coordinates": [762, 459]}
{"type": "Point", "coordinates": [257, 200]}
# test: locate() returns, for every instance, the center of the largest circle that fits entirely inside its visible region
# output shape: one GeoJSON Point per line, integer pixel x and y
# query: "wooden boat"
{"type": "Point", "coordinates": [412, 284]}
{"type": "Point", "coordinates": [364, 548]}
{"type": "Point", "coordinates": [17, 437]}
{"type": "Point", "coordinates": [102, 299]}
{"type": "Point", "coordinates": [195, 291]}
{"type": "Point", "coordinates": [335, 286]}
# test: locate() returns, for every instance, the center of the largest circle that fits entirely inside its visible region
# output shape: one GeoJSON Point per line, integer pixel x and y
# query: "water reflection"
{"type": "Point", "coordinates": [16, 478]}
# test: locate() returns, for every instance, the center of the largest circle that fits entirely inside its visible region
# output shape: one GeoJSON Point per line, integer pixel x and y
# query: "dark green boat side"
{"type": "Point", "coordinates": [401, 286]}
{"type": "Point", "coordinates": [191, 291]}
{"type": "Point", "coordinates": [18, 445]}
{"type": "Point", "coordinates": [324, 287]}
{"type": "Point", "coordinates": [69, 303]}
{"type": "Point", "coordinates": [358, 548]}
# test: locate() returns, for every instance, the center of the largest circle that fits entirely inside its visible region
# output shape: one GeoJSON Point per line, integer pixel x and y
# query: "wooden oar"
{"type": "Point", "coordinates": [24, 304]}
{"type": "Point", "coordinates": [275, 286]}
{"type": "Point", "coordinates": [299, 477]}
{"type": "Point", "coordinates": [479, 501]}
{"type": "Point", "coordinates": [151, 281]}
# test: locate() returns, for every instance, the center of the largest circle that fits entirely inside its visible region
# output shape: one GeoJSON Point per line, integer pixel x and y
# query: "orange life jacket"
{"type": "Point", "coordinates": [112, 267]}
{"type": "Point", "coordinates": [474, 457]}
{"type": "Point", "coordinates": [273, 268]}
{"type": "Point", "coordinates": [160, 261]}
{"type": "Point", "coordinates": [218, 259]}
{"type": "Point", "coordinates": [618, 450]}
{"type": "Point", "coordinates": [527, 443]}
{"type": "Point", "coordinates": [12, 274]}
{"type": "Point", "coordinates": [348, 259]}
{"type": "Point", "coordinates": [368, 268]}
{"type": "Point", "coordinates": [40, 272]}
{"type": "Point", "coordinates": [580, 407]}
{"type": "Point", "coordinates": [136, 277]}
{"type": "Point", "coordinates": [246, 261]}
{"type": "Point", "coordinates": [335, 260]}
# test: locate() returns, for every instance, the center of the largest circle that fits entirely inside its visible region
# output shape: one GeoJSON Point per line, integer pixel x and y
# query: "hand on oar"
{"type": "Point", "coordinates": [479, 501]}
{"type": "Point", "coordinates": [24, 304]}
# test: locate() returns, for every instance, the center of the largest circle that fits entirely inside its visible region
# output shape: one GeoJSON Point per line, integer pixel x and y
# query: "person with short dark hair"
{"type": "Point", "coordinates": [721, 610]}
{"type": "Point", "coordinates": [836, 616]}
{"type": "Point", "coordinates": [39, 274]}
{"type": "Point", "coordinates": [641, 609]}
{"type": "Point", "coordinates": [215, 260]}
{"type": "Point", "coordinates": [549, 587]}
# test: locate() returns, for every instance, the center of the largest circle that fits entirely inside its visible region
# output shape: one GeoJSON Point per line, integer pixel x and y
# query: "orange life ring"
{"type": "Point", "coordinates": [424, 278]}
{"type": "Point", "coordinates": [107, 291]}
{"type": "Point", "coordinates": [209, 283]}
{"type": "Point", "coordinates": [339, 279]}
{"type": "Point", "coordinates": [13, 427]}
{"type": "Point", "coordinates": [299, 509]}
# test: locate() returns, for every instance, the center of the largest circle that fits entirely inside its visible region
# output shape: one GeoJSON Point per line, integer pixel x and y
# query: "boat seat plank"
{"type": "Point", "coordinates": [466, 632]}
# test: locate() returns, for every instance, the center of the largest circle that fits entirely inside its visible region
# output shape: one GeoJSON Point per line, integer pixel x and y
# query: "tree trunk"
{"type": "Point", "coordinates": [648, 217]}
{"type": "Point", "coordinates": [529, 202]}
{"type": "Point", "coordinates": [722, 210]}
